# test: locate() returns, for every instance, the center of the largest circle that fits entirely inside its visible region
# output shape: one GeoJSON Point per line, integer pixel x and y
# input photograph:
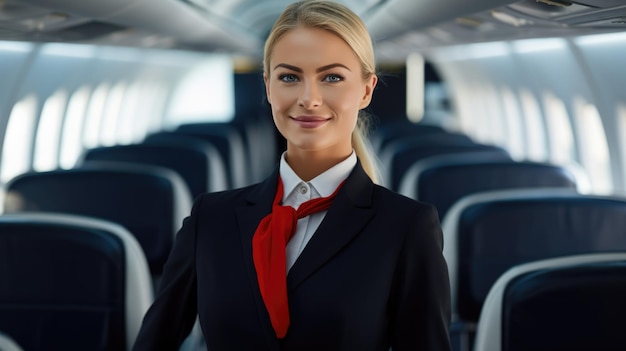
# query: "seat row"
{"type": "Point", "coordinates": [574, 302]}
{"type": "Point", "coordinates": [209, 156]}
{"type": "Point", "coordinates": [570, 301]}
{"type": "Point", "coordinates": [86, 246]}
{"type": "Point", "coordinates": [488, 233]}
{"type": "Point", "coordinates": [485, 234]}
{"type": "Point", "coordinates": [498, 214]}
{"type": "Point", "coordinates": [70, 283]}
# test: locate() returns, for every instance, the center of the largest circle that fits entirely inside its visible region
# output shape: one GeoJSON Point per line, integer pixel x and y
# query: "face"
{"type": "Point", "coordinates": [316, 89]}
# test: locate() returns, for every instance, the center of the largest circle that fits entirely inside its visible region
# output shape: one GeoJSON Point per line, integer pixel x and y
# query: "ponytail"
{"type": "Point", "coordinates": [363, 148]}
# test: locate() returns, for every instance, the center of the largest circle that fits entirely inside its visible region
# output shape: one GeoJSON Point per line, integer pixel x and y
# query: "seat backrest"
{"type": "Point", "coordinates": [262, 148]}
{"type": "Point", "coordinates": [442, 180]}
{"type": "Point", "coordinates": [404, 154]}
{"type": "Point", "coordinates": [487, 233]}
{"type": "Point", "coordinates": [229, 142]}
{"type": "Point", "coordinates": [8, 344]}
{"type": "Point", "coordinates": [149, 201]}
{"type": "Point", "coordinates": [71, 283]}
{"type": "Point", "coordinates": [192, 162]}
{"type": "Point", "coordinates": [388, 152]}
{"type": "Point", "coordinates": [218, 171]}
{"type": "Point", "coordinates": [389, 132]}
{"type": "Point", "coordinates": [567, 303]}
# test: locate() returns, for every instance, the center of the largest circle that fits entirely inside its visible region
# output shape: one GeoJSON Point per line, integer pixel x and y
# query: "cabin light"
{"type": "Point", "coordinates": [15, 46]}
{"type": "Point", "coordinates": [56, 17]}
{"type": "Point", "coordinates": [440, 35]}
{"type": "Point", "coordinates": [69, 50]}
{"type": "Point", "coordinates": [44, 22]}
{"type": "Point", "coordinates": [157, 41]}
{"type": "Point", "coordinates": [467, 21]}
{"type": "Point", "coordinates": [621, 20]}
{"type": "Point", "coordinates": [537, 45]}
{"type": "Point", "coordinates": [415, 87]}
{"type": "Point", "coordinates": [476, 51]}
{"type": "Point", "coordinates": [559, 3]}
{"type": "Point", "coordinates": [50, 20]}
{"type": "Point", "coordinates": [618, 38]}
{"type": "Point", "coordinates": [509, 19]}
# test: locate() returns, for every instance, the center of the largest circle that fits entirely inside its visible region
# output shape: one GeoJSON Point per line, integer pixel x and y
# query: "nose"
{"type": "Point", "coordinates": [310, 96]}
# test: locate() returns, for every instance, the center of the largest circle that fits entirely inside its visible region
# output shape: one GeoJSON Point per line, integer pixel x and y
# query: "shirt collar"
{"type": "Point", "coordinates": [325, 184]}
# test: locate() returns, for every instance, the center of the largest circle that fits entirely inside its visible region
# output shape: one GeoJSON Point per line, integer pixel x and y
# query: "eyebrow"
{"type": "Point", "coordinates": [320, 69]}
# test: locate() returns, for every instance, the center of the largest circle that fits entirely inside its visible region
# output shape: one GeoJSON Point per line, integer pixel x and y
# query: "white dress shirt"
{"type": "Point", "coordinates": [298, 191]}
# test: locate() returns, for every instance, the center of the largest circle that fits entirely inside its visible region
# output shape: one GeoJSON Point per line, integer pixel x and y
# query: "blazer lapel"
{"type": "Point", "coordinates": [259, 205]}
{"type": "Point", "coordinates": [354, 201]}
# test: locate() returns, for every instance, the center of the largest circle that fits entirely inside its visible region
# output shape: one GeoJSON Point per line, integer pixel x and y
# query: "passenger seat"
{"type": "Point", "coordinates": [71, 283]}
{"type": "Point", "coordinates": [148, 201]}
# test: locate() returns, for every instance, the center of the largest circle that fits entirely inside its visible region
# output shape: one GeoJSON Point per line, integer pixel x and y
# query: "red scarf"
{"type": "Point", "coordinates": [269, 253]}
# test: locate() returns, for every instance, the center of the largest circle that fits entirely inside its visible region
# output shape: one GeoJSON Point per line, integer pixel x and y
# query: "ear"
{"type": "Point", "coordinates": [370, 84]}
{"type": "Point", "coordinates": [267, 88]}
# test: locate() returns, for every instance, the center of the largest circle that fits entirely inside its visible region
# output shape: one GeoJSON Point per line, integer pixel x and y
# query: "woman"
{"type": "Point", "coordinates": [364, 268]}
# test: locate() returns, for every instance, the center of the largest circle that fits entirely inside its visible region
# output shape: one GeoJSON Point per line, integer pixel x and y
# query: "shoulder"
{"type": "Point", "coordinates": [388, 200]}
{"type": "Point", "coordinates": [223, 200]}
{"type": "Point", "coordinates": [415, 222]}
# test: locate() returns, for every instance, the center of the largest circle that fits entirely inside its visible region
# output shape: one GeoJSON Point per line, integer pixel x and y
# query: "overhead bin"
{"type": "Point", "coordinates": [399, 16]}
{"type": "Point", "coordinates": [191, 27]}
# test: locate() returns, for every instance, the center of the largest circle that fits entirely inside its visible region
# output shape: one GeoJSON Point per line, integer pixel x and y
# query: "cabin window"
{"type": "Point", "coordinates": [621, 117]}
{"type": "Point", "coordinates": [111, 114]}
{"type": "Point", "coordinates": [514, 126]}
{"type": "Point", "coordinates": [482, 115]}
{"type": "Point", "coordinates": [490, 116]}
{"type": "Point", "coordinates": [49, 132]}
{"type": "Point", "coordinates": [126, 130]}
{"type": "Point", "coordinates": [482, 123]}
{"type": "Point", "coordinates": [205, 94]}
{"type": "Point", "coordinates": [535, 132]}
{"type": "Point", "coordinates": [95, 109]}
{"type": "Point", "coordinates": [17, 147]}
{"type": "Point", "coordinates": [593, 146]}
{"type": "Point", "coordinates": [154, 95]}
{"type": "Point", "coordinates": [71, 143]}
{"type": "Point", "coordinates": [463, 102]}
{"type": "Point", "coordinates": [561, 139]}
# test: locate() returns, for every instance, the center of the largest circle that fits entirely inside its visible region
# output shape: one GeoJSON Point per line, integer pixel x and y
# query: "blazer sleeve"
{"type": "Point", "coordinates": [421, 299]}
{"type": "Point", "coordinates": [173, 313]}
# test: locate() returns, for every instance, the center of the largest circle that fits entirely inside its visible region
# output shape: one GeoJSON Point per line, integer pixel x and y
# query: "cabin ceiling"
{"type": "Point", "coordinates": [399, 27]}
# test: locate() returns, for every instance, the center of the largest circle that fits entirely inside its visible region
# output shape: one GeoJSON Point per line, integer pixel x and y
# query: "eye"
{"type": "Point", "coordinates": [333, 78]}
{"type": "Point", "coordinates": [288, 78]}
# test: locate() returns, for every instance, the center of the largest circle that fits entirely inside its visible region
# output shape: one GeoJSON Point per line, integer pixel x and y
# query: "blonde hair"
{"type": "Point", "coordinates": [341, 21]}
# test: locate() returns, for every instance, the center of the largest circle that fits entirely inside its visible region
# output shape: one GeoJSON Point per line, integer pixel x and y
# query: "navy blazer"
{"type": "Point", "coordinates": [372, 277]}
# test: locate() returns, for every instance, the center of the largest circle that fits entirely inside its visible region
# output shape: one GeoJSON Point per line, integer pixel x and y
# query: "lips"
{"type": "Point", "coordinates": [309, 121]}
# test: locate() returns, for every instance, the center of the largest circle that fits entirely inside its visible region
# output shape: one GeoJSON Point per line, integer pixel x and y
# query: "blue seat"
{"type": "Point", "coordinates": [149, 201]}
{"type": "Point", "coordinates": [561, 304]}
{"type": "Point", "coordinates": [202, 170]}
{"type": "Point", "coordinates": [261, 146]}
{"type": "Point", "coordinates": [388, 151]}
{"type": "Point", "coordinates": [442, 180]}
{"type": "Point", "coordinates": [229, 142]}
{"type": "Point", "coordinates": [389, 132]}
{"type": "Point", "coordinates": [71, 283]}
{"type": "Point", "coordinates": [8, 344]}
{"type": "Point", "coordinates": [487, 233]}
{"type": "Point", "coordinates": [401, 155]}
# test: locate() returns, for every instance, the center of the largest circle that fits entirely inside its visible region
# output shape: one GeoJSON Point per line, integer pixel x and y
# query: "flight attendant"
{"type": "Point", "coordinates": [316, 257]}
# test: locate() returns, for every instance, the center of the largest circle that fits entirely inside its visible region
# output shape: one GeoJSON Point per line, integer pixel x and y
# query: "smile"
{"type": "Point", "coordinates": [310, 121]}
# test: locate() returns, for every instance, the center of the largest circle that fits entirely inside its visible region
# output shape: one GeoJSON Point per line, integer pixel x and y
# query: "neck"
{"type": "Point", "coordinates": [309, 164]}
